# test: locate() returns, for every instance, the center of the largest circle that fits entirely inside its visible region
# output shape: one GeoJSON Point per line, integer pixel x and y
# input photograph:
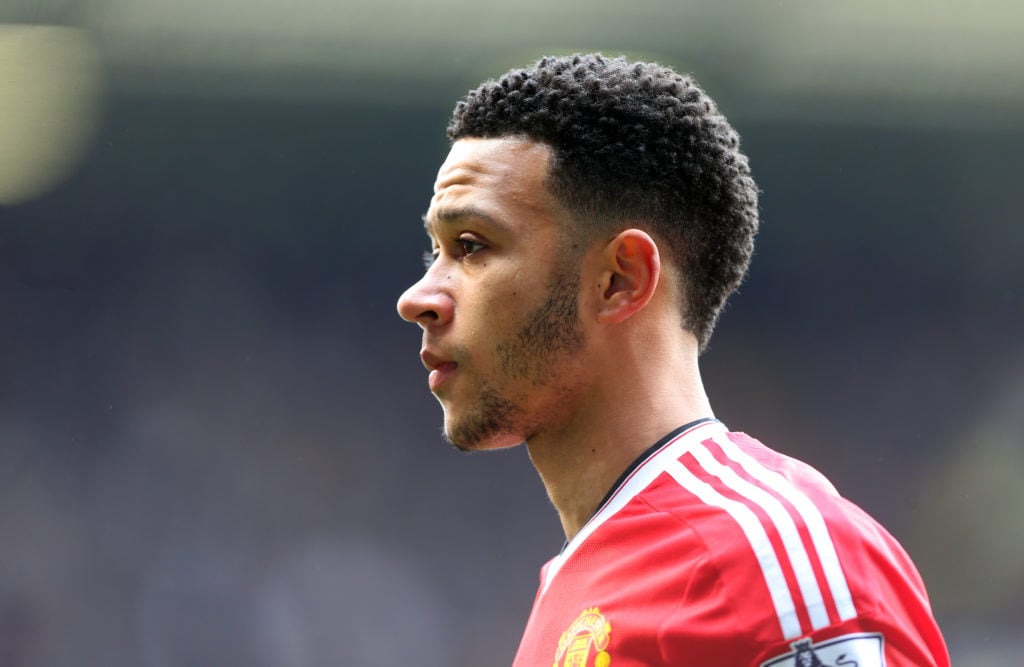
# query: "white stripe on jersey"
{"type": "Point", "coordinates": [783, 524]}
{"type": "Point", "coordinates": [811, 516]}
{"type": "Point", "coordinates": [767, 559]}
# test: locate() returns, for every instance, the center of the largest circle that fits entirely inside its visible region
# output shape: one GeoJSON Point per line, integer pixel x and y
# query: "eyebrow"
{"type": "Point", "coordinates": [449, 215]}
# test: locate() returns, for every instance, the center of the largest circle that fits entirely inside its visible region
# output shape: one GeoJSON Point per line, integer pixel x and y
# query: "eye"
{"type": "Point", "coordinates": [462, 247]}
{"type": "Point", "coordinates": [469, 246]}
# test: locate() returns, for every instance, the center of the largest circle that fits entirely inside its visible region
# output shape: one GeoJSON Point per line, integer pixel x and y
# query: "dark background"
{"type": "Point", "coordinates": [217, 446]}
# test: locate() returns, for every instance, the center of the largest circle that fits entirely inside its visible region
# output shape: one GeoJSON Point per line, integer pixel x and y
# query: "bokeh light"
{"type": "Point", "coordinates": [49, 99]}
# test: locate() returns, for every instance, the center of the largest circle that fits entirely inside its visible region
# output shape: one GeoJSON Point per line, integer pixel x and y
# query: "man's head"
{"type": "Point", "coordinates": [565, 186]}
{"type": "Point", "coordinates": [633, 145]}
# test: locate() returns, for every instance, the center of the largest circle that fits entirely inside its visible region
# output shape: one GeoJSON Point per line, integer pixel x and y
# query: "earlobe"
{"type": "Point", "coordinates": [632, 269]}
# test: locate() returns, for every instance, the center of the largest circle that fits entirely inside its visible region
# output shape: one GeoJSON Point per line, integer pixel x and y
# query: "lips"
{"type": "Point", "coordinates": [440, 368]}
{"type": "Point", "coordinates": [440, 374]}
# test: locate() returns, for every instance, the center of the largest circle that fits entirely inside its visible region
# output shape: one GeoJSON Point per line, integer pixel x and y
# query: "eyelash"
{"type": "Point", "coordinates": [430, 256]}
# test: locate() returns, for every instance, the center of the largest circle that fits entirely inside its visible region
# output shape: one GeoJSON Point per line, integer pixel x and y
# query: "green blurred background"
{"type": "Point", "coordinates": [216, 442]}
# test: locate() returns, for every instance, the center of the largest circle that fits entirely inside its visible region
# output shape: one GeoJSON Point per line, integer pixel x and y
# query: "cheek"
{"type": "Point", "coordinates": [501, 299]}
{"type": "Point", "coordinates": [499, 294]}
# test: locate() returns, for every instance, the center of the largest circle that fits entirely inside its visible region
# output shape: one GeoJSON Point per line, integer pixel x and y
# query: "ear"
{"type": "Point", "coordinates": [631, 269]}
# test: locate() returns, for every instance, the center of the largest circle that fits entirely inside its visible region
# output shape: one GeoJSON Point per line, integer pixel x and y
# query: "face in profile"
{"type": "Point", "coordinates": [498, 303]}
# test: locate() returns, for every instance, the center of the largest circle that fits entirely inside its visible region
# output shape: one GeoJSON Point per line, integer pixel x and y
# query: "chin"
{"type": "Point", "coordinates": [476, 436]}
{"type": "Point", "coordinates": [490, 423]}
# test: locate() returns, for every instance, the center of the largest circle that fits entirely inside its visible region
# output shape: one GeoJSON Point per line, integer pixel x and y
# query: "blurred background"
{"type": "Point", "coordinates": [217, 446]}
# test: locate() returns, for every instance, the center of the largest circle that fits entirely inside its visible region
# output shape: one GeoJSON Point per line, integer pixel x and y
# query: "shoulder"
{"type": "Point", "coordinates": [717, 550]}
{"type": "Point", "coordinates": [786, 556]}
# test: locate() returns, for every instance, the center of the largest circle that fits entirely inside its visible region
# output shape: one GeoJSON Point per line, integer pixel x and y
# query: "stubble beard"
{"type": "Point", "coordinates": [550, 334]}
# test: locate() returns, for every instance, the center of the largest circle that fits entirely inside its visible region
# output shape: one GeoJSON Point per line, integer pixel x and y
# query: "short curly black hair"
{"type": "Point", "coordinates": [634, 143]}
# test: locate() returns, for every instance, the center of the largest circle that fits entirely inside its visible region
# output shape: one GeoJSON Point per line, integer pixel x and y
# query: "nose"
{"type": "Point", "coordinates": [426, 303]}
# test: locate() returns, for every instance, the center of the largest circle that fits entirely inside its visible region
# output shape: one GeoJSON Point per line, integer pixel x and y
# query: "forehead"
{"type": "Point", "coordinates": [505, 158]}
{"type": "Point", "coordinates": [504, 179]}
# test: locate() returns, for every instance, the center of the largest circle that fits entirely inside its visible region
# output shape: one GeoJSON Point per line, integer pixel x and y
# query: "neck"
{"type": "Point", "coordinates": [648, 394]}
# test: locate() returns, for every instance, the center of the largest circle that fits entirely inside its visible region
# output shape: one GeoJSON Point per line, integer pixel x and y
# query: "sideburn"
{"type": "Point", "coordinates": [550, 332]}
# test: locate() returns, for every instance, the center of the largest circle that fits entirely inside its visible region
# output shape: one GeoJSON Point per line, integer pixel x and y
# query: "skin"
{"type": "Point", "coordinates": [575, 348]}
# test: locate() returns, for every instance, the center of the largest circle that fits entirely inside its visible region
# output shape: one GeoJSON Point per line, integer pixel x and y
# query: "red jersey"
{"type": "Point", "coordinates": [715, 551]}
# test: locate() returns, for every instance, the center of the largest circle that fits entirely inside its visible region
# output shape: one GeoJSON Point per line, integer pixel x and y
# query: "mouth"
{"type": "Point", "coordinates": [440, 369]}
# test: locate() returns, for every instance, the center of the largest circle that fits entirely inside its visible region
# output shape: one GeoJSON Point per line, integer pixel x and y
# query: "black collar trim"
{"type": "Point", "coordinates": [648, 453]}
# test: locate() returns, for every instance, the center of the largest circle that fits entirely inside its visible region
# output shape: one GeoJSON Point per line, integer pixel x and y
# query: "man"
{"type": "Point", "coordinates": [590, 221]}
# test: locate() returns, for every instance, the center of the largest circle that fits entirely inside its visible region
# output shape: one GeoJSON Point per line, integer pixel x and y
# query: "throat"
{"type": "Point", "coordinates": [579, 482]}
{"type": "Point", "coordinates": [578, 478]}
